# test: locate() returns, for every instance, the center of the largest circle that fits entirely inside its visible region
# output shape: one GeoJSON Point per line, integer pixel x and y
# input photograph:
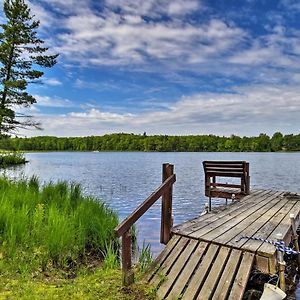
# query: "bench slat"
{"type": "Point", "coordinates": [209, 169]}
{"type": "Point", "coordinates": [225, 174]}
{"type": "Point", "coordinates": [237, 186]}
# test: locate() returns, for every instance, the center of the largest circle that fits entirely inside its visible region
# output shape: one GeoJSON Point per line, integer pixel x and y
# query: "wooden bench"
{"type": "Point", "coordinates": [227, 169]}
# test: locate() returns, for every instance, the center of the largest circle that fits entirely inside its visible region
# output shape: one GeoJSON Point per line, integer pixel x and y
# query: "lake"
{"type": "Point", "coordinates": [124, 179]}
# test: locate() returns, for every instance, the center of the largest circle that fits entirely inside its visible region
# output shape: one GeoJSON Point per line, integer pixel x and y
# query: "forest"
{"type": "Point", "coordinates": [157, 143]}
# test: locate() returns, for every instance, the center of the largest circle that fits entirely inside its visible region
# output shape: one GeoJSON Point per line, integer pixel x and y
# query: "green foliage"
{"type": "Point", "coordinates": [20, 52]}
{"type": "Point", "coordinates": [111, 259]}
{"type": "Point", "coordinates": [49, 226]}
{"type": "Point", "coordinates": [132, 142]}
{"type": "Point", "coordinates": [145, 257]}
{"type": "Point", "coordinates": [8, 159]}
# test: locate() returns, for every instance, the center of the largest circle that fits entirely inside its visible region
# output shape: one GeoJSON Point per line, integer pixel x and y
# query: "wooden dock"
{"type": "Point", "coordinates": [211, 256]}
{"type": "Point", "coordinates": [207, 258]}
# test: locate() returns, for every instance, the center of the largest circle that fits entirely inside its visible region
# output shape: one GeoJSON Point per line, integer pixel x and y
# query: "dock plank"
{"type": "Point", "coordinates": [214, 274]}
{"type": "Point", "coordinates": [168, 263]}
{"type": "Point", "coordinates": [240, 282]}
{"type": "Point", "coordinates": [200, 222]}
{"type": "Point", "coordinates": [252, 221]}
{"type": "Point", "coordinates": [272, 219]}
{"type": "Point", "coordinates": [161, 257]}
{"type": "Point", "coordinates": [283, 226]}
{"type": "Point", "coordinates": [228, 221]}
{"type": "Point", "coordinates": [176, 269]}
{"type": "Point", "coordinates": [187, 272]}
{"type": "Point", "coordinates": [227, 278]}
{"type": "Point", "coordinates": [201, 273]}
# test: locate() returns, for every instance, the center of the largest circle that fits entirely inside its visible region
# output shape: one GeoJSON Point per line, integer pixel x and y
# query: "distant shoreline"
{"type": "Point", "coordinates": [123, 142]}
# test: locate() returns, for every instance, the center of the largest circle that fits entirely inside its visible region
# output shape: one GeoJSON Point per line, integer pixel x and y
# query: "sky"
{"type": "Point", "coordinates": [175, 67]}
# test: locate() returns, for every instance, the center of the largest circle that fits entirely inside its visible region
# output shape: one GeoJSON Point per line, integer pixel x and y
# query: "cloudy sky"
{"type": "Point", "coordinates": [169, 67]}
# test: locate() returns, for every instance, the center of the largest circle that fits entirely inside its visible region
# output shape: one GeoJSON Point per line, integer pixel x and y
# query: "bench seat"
{"type": "Point", "coordinates": [214, 170]}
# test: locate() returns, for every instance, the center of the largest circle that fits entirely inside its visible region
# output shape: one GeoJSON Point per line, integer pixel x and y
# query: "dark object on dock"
{"type": "Point", "coordinates": [228, 169]}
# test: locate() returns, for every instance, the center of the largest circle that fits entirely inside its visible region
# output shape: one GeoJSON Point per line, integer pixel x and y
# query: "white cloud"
{"type": "Point", "coordinates": [279, 48]}
{"type": "Point", "coordinates": [113, 40]}
{"type": "Point", "coordinates": [167, 40]}
{"type": "Point", "coordinates": [155, 8]}
{"type": "Point", "coordinates": [52, 81]}
{"type": "Point", "coordinates": [247, 110]}
{"type": "Point", "coordinates": [52, 101]}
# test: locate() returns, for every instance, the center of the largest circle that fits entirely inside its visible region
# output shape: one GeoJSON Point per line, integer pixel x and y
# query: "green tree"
{"type": "Point", "coordinates": [277, 141]}
{"type": "Point", "coordinates": [21, 59]}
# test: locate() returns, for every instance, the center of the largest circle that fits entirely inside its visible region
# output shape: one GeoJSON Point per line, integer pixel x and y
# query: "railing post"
{"type": "Point", "coordinates": [128, 276]}
{"type": "Point", "coordinates": [166, 208]}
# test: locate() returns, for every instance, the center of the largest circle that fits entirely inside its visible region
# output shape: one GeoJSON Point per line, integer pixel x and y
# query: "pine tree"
{"type": "Point", "coordinates": [21, 57]}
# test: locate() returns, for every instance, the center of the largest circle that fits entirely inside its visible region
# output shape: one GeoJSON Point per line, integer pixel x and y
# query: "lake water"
{"type": "Point", "coordinates": [124, 180]}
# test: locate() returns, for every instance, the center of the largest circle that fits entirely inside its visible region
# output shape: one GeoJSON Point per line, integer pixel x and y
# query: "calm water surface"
{"type": "Point", "coordinates": [123, 180]}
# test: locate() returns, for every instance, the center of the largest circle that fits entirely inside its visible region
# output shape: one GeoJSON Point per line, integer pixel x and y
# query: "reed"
{"type": "Point", "coordinates": [52, 225]}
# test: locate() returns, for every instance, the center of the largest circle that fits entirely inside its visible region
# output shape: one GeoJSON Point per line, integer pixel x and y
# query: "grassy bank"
{"type": "Point", "coordinates": [8, 159]}
{"type": "Point", "coordinates": [54, 223]}
{"type": "Point", "coordinates": [56, 243]}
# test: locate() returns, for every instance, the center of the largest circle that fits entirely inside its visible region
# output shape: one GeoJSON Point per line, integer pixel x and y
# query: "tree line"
{"type": "Point", "coordinates": [157, 143]}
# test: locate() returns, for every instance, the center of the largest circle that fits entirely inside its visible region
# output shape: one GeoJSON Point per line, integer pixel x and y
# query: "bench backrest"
{"type": "Point", "coordinates": [238, 169]}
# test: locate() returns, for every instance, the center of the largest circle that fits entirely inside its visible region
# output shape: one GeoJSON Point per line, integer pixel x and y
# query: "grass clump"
{"type": "Point", "coordinates": [49, 226]}
{"type": "Point", "coordinates": [8, 159]}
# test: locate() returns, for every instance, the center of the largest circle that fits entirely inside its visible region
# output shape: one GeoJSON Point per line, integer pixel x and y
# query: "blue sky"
{"type": "Point", "coordinates": [169, 67]}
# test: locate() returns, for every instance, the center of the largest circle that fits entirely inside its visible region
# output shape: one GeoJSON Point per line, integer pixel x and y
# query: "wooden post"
{"type": "Point", "coordinates": [295, 236]}
{"type": "Point", "coordinates": [247, 180]}
{"type": "Point", "coordinates": [128, 276]}
{"type": "Point", "coordinates": [166, 207]}
{"type": "Point", "coordinates": [281, 265]}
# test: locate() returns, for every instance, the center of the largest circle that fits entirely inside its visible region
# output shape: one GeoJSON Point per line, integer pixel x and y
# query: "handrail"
{"type": "Point", "coordinates": [142, 208]}
{"type": "Point", "coordinates": [124, 228]}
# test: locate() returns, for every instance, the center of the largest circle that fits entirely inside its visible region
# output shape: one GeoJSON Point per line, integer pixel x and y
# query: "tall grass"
{"type": "Point", "coordinates": [8, 159]}
{"type": "Point", "coordinates": [52, 225]}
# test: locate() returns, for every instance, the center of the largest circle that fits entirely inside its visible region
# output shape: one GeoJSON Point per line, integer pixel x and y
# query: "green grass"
{"type": "Point", "coordinates": [56, 243]}
{"type": "Point", "coordinates": [8, 159]}
{"type": "Point", "coordinates": [51, 226]}
{"type": "Point", "coordinates": [98, 284]}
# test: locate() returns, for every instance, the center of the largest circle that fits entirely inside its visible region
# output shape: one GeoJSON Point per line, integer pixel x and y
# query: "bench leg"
{"type": "Point", "coordinates": [209, 204]}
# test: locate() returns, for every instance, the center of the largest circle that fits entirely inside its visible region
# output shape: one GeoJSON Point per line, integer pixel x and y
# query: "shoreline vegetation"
{"type": "Point", "coordinates": [56, 243]}
{"type": "Point", "coordinates": [156, 143]}
{"type": "Point", "coordinates": [9, 159]}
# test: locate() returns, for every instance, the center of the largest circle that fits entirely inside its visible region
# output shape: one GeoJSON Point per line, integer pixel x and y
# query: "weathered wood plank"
{"type": "Point", "coordinates": [242, 276]}
{"type": "Point", "coordinates": [176, 269]}
{"type": "Point", "coordinates": [214, 274]}
{"type": "Point", "coordinates": [168, 263]}
{"type": "Point", "coordinates": [234, 208]}
{"type": "Point", "coordinates": [270, 222]}
{"type": "Point", "coordinates": [250, 221]}
{"type": "Point", "coordinates": [201, 273]}
{"type": "Point", "coordinates": [283, 227]}
{"type": "Point", "coordinates": [188, 270]}
{"type": "Point", "coordinates": [161, 257]}
{"type": "Point", "coordinates": [228, 275]}
{"type": "Point", "coordinates": [217, 213]}
{"type": "Point", "coordinates": [214, 229]}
